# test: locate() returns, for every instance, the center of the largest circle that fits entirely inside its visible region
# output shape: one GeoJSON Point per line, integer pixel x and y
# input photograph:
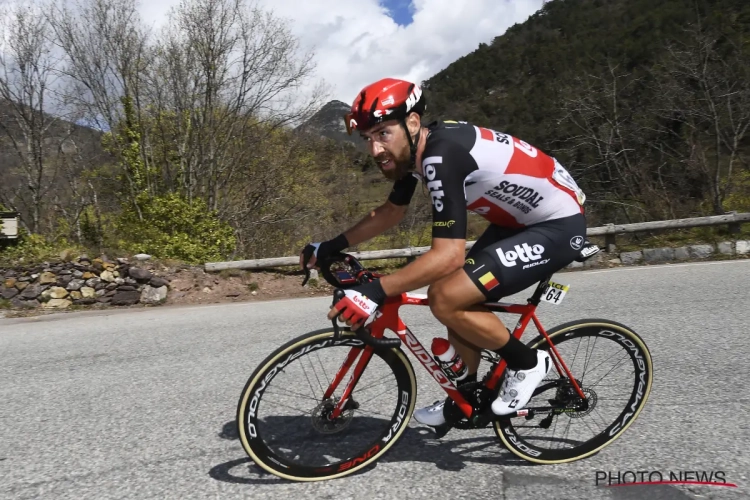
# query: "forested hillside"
{"type": "Point", "coordinates": [647, 103]}
{"type": "Point", "coordinates": [194, 157]}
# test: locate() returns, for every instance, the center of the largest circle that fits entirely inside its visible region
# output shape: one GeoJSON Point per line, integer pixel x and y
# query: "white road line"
{"type": "Point", "coordinates": [667, 266]}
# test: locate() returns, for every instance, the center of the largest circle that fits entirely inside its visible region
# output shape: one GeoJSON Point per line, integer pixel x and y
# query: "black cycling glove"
{"type": "Point", "coordinates": [325, 248]}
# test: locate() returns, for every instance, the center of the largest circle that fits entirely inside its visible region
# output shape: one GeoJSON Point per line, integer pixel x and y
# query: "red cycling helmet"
{"type": "Point", "coordinates": [386, 99]}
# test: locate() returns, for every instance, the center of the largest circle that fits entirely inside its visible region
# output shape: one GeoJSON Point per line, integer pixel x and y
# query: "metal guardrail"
{"type": "Point", "coordinates": [732, 219]}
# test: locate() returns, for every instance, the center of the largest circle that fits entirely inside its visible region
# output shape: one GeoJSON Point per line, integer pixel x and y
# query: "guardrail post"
{"type": "Point", "coordinates": [734, 227]}
{"type": "Point", "coordinates": [609, 240]}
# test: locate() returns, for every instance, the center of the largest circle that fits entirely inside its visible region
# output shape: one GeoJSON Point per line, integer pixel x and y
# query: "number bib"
{"type": "Point", "coordinates": [555, 293]}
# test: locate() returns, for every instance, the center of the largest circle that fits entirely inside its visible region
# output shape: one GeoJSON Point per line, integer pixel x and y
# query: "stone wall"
{"type": "Point", "coordinates": [84, 282]}
{"type": "Point", "coordinates": [667, 254]}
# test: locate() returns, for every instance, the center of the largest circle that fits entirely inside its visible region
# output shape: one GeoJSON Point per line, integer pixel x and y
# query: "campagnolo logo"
{"type": "Point", "coordinates": [252, 407]}
{"type": "Point", "coordinates": [641, 377]}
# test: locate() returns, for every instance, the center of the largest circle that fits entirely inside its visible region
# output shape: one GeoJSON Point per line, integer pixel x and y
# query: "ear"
{"type": "Point", "coordinates": [413, 123]}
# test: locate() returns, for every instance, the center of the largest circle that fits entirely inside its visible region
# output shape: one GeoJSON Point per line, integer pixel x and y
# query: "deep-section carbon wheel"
{"type": "Point", "coordinates": [285, 424]}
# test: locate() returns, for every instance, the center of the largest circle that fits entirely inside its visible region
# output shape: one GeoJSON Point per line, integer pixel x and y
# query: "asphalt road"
{"type": "Point", "coordinates": [141, 404]}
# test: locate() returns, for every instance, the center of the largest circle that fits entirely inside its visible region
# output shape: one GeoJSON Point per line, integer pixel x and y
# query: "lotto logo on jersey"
{"type": "Point", "coordinates": [522, 252]}
{"type": "Point", "coordinates": [434, 186]}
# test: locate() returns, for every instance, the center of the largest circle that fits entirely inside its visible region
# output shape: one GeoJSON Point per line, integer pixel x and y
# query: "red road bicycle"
{"type": "Point", "coordinates": [333, 401]}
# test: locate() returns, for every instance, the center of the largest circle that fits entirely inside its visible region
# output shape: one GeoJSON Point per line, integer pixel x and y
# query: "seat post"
{"type": "Point", "coordinates": [541, 287]}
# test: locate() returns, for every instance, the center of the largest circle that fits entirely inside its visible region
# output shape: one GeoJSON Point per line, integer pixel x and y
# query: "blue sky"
{"type": "Point", "coordinates": [400, 11]}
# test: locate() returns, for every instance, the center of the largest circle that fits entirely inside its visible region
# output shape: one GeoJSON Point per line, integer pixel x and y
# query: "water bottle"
{"type": "Point", "coordinates": [451, 363]}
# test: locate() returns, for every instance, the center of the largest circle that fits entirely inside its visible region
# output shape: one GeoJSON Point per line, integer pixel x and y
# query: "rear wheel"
{"type": "Point", "coordinates": [285, 424]}
{"type": "Point", "coordinates": [613, 367]}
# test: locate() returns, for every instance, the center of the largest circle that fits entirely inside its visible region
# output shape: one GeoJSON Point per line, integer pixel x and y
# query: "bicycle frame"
{"type": "Point", "coordinates": [388, 318]}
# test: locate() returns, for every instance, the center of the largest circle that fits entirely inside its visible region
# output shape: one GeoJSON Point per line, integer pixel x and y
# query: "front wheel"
{"type": "Point", "coordinates": [285, 423]}
{"type": "Point", "coordinates": [612, 366]}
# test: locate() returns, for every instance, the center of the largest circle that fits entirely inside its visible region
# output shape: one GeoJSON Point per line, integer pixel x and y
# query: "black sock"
{"type": "Point", "coordinates": [471, 377]}
{"type": "Point", "coordinates": [517, 355]}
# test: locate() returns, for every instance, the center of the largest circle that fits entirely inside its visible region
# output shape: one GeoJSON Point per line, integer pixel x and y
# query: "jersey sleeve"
{"type": "Point", "coordinates": [445, 167]}
{"type": "Point", "coordinates": [403, 190]}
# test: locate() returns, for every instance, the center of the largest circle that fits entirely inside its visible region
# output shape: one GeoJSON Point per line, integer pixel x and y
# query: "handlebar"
{"type": "Point", "coordinates": [346, 279]}
{"type": "Point", "coordinates": [363, 333]}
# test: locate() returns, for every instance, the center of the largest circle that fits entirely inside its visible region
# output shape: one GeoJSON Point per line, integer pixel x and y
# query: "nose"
{"type": "Point", "coordinates": [376, 148]}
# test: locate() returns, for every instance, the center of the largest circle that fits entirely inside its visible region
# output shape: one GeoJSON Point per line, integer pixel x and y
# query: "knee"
{"type": "Point", "coordinates": [441, 305]}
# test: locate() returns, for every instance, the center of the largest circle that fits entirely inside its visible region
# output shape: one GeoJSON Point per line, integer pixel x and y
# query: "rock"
{"type": "Point", "coordinates": [742, 247]}
{"type": "Point", "coordinates": [573, 265]}
{"type": "Point", "coordinates": [130, 281]}
{"type": "Point", "coordinates": [153, 295]}
{"type": "Point", "coordinates": [24, 304]}
{"type": "Point", "coordinates": [92, 282]}
{"type": "Point", "coordinates": [120, 281]}
{"type": "Point", "coordinates": [652, 255]}
{"type": "Point", "coordinates": [86, 301]}
{"type": "Point", "coordinates": [107, 276]}
{"type": "Point", "coordinates": [87, 292]}
{"type": "Point", "coordinates": [98, 265]}
{"type": "Point", "coordinates": [31, 292]}
{"type": "Point", "coordinates": [109, 266]}
{"type": "Point", "coordinates": [21, 285]}
{"type": "Point", "coordinates": [254, 292]}
{"type": "Point", "coordinates": [64, 280]}
{"type": "Point", "coordinates": [206, 289]}
{"type": "Point", "coordinates": [104, 300]}
{"type": "Point", "coordinates": [158, 282]}
{"type": "Point", "coordinates": [88, 275]}
{"type": "Point", "coordinates": [725, 248]}
{"type": "Point", "coordinates": [595, 260]}
{"type": "Point", "coordinates": [10, 282]}
{"type": "Point", "coordinates": [681, 253]}
{"type": "Point", "coordinates": [9, 293]}
{"type": "Point", "coordinates": [64, 272]}
{"type": "Point", "coordinates": [57, 292]}
{"type": "Point", "coordinates": [102, 285]}
{"type": "Point", "coordinates": [47, 277]}
{"type": "Point", "coordinates": [615, 262]}
{"type": "Point", "coordinates": [76, 295]}
{"type": "Point", "coordinates": [700, 251]}
{"type": "Point", "coordinates": [628, 258]}
{"type": "Point", "coordinates": [126, 288]}
{"type": "Point", "coordinates": [111, 286]}
{"type": "Point", "coordinates": [77, 274]}
{"type": "Point", "coordinates": [57, 304]}
{"type": "Point", "coordinates": [100, 293]}
{"type": "Point", "coordinates": [125, 298]}
{"type": "Point", "coordinates": [141, 256]}
{"type": "Point", "coordinates": [139, 274]}
{"type": "Point", "coordinates": [122, 260]}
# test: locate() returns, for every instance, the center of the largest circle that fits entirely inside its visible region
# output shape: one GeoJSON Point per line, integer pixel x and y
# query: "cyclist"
{"type": "Point", "coordinates": [537, 227]}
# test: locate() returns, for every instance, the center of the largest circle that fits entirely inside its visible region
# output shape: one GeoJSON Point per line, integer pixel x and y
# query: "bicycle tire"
{"type": "Point", "coordinates": [256, 449]}
{"type": "Point", "coordinates": [644, 374]}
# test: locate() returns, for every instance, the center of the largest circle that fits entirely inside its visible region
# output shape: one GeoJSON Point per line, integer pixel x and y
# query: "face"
{"type": "Point", "coordinates": [388, 145]}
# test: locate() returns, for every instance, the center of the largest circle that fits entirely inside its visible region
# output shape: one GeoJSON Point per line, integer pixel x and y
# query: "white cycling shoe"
{"type": "Point", "coordinates": [519, 385]}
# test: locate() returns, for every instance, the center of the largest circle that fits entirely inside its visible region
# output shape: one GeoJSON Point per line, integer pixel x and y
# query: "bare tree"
{"type": "Point", "coordinates": [27, 75]}
{"type": "Point", "coordinates": [105, 45]}
{"type": "Point", "coordinates": [227, 76]}
{"type": "Point", "coordinates": [704, 106]}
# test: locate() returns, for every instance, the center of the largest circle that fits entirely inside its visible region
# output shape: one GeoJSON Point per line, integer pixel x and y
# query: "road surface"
{"type": "Point", "coordinates": [141, 403]}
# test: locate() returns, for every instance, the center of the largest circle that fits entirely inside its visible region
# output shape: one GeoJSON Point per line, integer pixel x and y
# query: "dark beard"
{"type": "Point", "coordinates": [402, 170]}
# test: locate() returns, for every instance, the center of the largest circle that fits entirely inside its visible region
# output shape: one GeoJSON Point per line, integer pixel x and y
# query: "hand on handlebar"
{"type": "Point", "coordinates": [357, 304]}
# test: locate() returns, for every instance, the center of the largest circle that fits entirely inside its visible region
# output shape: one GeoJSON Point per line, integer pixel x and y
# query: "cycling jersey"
{"type": "Point", "coordinates": [505, 180]}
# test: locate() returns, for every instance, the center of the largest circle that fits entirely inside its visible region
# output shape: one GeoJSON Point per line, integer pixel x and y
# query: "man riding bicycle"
{"type": "Point", "coordinates": [537, 227]}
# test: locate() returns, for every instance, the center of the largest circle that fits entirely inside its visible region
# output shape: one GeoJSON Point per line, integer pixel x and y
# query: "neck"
{"type": "Point", "coordinates": [420, 149]}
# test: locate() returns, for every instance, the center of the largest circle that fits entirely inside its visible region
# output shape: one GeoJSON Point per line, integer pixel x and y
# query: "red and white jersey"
{"type": "Point", "coordinates": [502, 178]}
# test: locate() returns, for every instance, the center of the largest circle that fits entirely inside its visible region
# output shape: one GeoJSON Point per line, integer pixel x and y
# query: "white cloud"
{"type": "Point", "coordinates": [356, 43]}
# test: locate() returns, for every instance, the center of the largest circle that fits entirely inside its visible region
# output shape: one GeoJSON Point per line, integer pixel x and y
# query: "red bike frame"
{"type": "Point", "coordinates": [388, 318]}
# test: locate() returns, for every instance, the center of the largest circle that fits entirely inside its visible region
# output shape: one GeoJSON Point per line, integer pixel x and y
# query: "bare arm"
{"type": "Point", "coordinates": [376, 222]}
{"type": "Point", "coordinates": [445, 256]}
